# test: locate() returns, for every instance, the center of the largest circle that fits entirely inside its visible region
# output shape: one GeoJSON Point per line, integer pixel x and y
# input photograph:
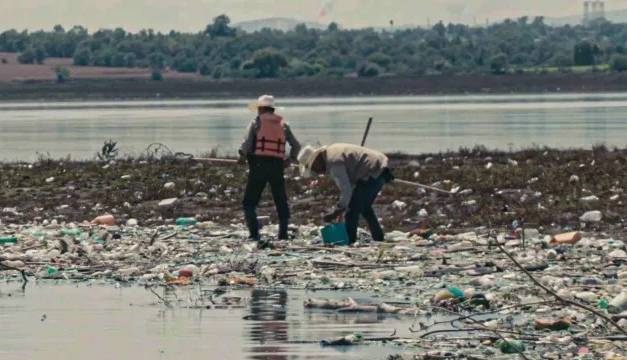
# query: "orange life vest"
{"type": "Point", "coordinates": [270, 137]}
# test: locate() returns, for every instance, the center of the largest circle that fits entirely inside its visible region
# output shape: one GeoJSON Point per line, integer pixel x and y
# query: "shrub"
{"type": "Point", "coordinates": [63, 74]}
{"type": "Point", "coordinates": [618, 63]}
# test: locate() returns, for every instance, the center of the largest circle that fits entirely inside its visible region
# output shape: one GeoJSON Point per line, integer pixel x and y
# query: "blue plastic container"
{"type": "Point", "coordinates": [335, 234]}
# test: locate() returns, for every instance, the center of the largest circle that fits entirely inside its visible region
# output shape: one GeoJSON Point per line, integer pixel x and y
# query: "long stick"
{"type": "Point", "coordinates": [405, 182]}
{"type": "Point", "coordinates": [363, 141]}
{"type": "Point", "coordinates": [216, 160]}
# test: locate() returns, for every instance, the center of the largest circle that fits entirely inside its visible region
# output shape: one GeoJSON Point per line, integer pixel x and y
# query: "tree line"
{"type": "Point", "coordinates": [221, 51]}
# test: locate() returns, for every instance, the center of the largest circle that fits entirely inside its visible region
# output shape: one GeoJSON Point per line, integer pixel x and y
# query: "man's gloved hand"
{"type": "Point", "coordinates": [333, 216]}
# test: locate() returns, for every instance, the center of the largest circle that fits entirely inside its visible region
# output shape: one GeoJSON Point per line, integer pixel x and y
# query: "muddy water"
{"type": "Point", "coordinates": [408, 124]}
{"type": "Point", "coordinates": [48, 320]}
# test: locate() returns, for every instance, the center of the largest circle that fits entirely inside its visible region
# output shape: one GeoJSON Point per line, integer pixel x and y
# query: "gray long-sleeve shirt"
{"type": "Point", "coordinates": [347, 164]}
{"type": "Point", "coordinates": [248, 145]}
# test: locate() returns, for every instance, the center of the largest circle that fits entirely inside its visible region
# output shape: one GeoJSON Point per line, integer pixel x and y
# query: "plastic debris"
{"type": "Point", "coordinates": [566, 238]}
{"type": "Point", "coordinates": [509, 346]}
{"type": "Point", "coordinates": [618, 304]}
{"type": "Point", "coordinates": [167, 202]}
{"type": "Point", "coordinates": [9, 239]}
{"type": "Point", "coordinates": [108, 220]}
{"type": "Point", "coordinates": [186, 221]}
{"type": "Point", "coordinates": [352, 339]}
{"type": "Point", "coordinates": [591, 216]}
{"type": "Point", "coordinates": [552, 324]}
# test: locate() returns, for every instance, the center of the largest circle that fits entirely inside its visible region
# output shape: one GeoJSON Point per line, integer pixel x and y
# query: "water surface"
{"type": "Point", "coordinates": [50, 320]}
{"type": "Point", "coordinates": [407, 124]}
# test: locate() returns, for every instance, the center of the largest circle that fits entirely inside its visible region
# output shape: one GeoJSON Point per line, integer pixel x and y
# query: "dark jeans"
{"type": "Point", "coordinates": [264, 170]}
{"type": "Point", "coordinates": [364, 195]}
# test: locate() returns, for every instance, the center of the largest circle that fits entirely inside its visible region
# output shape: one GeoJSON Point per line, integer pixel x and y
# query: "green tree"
{"type": "Point", "coordinates": [156, 75]}
{"type": "Point", "coordinates": [82, 57]}
{"type": "Point", "coordinates": [584, 54]}
{"type": "Point", "coordinates": [40, 55]}
{"type": "Point", "coordinates": [220, 27]}
{"type": "Point", "coordinates": [205, 69]}
{"type": "Point", "coordinates": [380, 59]}
{"type": "Point", "coordinates": [369, 70]}
{"type": "Point", "coordinates": [130, 60]}
{"type": "Point", "coordinates": [28, 56]}
{"type": "Point", "coordinates": [118, 60]}
{"type": "Point", "coordinates": [619, 63]}
{"type": "Point", "coordinates": [498, 64]}
{"type": "Point", "coordinates": [267, 63]}
{"type": "Point", "coordinates": [157, 60]}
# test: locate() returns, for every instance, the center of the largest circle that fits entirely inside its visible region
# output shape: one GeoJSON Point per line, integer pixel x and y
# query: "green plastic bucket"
{"type": "Point", "coordinates": [335, 234]}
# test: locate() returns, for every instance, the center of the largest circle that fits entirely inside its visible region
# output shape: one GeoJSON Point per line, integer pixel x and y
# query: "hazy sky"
{"type": "Point", "coordinates": [193, 15]}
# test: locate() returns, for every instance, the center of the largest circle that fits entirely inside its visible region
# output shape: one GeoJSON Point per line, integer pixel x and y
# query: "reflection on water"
{"type": "Point", "coordinates": [61, 320]}
{"type": "Point", "coordinates": [269, 329]}
{"type": "Point", "coordinates": [416, 124]}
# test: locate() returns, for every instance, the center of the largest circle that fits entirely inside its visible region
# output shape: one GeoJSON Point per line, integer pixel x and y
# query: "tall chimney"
{"type": "Point", "coordinates": [586, 12]}
{"type": "Point", "coordinates": [593, 11]}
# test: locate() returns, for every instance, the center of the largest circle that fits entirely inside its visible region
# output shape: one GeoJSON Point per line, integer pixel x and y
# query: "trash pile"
{"type": "Point", "coordinates": [552, 190]}
{"type": "Point", "coordinates": [474, 292]}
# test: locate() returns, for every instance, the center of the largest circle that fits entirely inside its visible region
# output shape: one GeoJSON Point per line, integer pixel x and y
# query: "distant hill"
{"type": "Point", "coordinates": [276, 23]}
{"type": "Point", "coordinates": [616, 16]}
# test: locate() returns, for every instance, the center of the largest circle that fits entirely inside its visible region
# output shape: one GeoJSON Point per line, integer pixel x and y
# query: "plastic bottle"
{"type": "Point", "coordinates": [510, 346]}
{"type": "Point", "coordinates": [618, 304]}
{"type": "Point", "coordinates": [603, 303]}
{"type": "Point", "coordinates": [10, 239]}
{"type": "Point", "coordinates": [71, 231]}
{"type": "Point", "coordinates": [38, 234]}
{"type": "Point", "coordinates": [51, 270]}
{"type": "Point", "coordinates": [457, 292]}
{"type": "Point", "coordinates": [186, 221]}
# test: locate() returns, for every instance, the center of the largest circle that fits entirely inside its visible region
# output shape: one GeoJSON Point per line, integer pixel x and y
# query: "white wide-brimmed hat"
{"type": "Point", "coordinates": [263, 101]}
{"type": "Point", "coordinates": [306, 157]}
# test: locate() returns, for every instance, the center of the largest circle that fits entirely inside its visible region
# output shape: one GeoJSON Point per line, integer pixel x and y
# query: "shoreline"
{"type": "Point", "coordinates": [547, 188]}
{"type": "Point", "coordinates": [129, 89]}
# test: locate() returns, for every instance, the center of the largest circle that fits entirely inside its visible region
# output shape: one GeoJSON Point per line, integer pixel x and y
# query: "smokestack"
{"type": "Point", "coordinates": [601, 9]}
{"type": "Point", "coordinates": [586, 12]}
{"type": "Point", "coordinates": [594, 10]}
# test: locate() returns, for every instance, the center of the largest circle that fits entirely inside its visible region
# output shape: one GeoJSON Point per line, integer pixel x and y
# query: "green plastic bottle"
{"type": "Point", "coordinates": [457, 292]}
{"type": "Point", "coordinates": [510, 346]}
{"type": "Point", "coordinates": [38, 234]}
{"type": "Point", "coordinates": [186, 221]}
{"type": "Point", "coordinates": [51, 270]}
{"type": "Point", "coordinates": [603, 303]}
{"type": "Point", "coordinates": [71, 231]}
{"type": "Point", "coordinates": [10, 239]}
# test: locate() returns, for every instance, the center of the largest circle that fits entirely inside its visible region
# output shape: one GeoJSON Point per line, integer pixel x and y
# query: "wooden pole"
{"type": "Point", "coordinates": [363, 141]}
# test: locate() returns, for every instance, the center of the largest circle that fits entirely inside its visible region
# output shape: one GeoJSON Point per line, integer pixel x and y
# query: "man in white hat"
{"type": "Point", "coordinates": [264, 147]}
{"type": "Point", "coordinates": [360, 173]}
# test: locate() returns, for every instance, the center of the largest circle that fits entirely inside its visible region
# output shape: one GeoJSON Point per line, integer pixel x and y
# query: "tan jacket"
{"type": "Point", "coordinates": [347, 164]}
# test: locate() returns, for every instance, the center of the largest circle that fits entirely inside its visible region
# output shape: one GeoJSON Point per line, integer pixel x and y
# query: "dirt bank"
{"type": "Point", "coordinates": [176, 87]}
{"type": "Point", "coordinates": [547, 188]}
